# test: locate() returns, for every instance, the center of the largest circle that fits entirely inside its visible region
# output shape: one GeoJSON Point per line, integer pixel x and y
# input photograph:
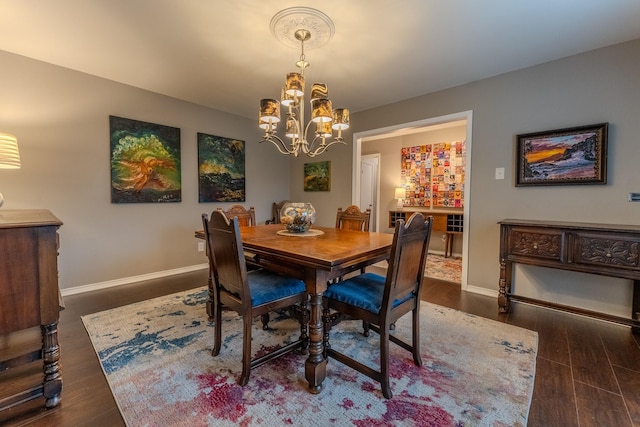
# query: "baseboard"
{"type": "Point", "coordinates": [133, 279]}
{"type": "Point", "coordinates": [482, 291]}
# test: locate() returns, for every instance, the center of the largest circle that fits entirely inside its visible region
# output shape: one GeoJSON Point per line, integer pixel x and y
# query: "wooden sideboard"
{"type": "Point", "coordinates": [29, 308]}
{"type": "Point", "coordinates": [603, 249]}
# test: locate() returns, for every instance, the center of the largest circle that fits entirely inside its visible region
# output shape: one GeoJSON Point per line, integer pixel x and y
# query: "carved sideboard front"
{"type": "Point", "coordinates": [607, 250]}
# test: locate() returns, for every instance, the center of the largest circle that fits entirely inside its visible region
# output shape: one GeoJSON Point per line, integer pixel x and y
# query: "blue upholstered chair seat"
{"type": "Point", "coordinates": [364, 291]}
{"type": "Point", "coordinates": [267, 286]}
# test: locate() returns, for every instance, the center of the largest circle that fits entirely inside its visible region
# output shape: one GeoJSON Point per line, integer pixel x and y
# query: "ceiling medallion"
{"type": "Point", "coordinates": [285, 23]}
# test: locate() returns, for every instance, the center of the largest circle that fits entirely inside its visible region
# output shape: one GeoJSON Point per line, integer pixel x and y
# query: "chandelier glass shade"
{"type": "Point", "coordinates": [317, 135]}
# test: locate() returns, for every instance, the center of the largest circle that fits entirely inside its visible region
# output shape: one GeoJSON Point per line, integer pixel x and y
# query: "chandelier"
{"type": "Point", "coordinates": [316, 136]}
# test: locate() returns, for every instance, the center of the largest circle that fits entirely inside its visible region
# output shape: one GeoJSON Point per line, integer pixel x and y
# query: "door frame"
{"type": "Point", "coordinates": [360, 137]}
{"type": "Point", "coordinates": [376, 202]}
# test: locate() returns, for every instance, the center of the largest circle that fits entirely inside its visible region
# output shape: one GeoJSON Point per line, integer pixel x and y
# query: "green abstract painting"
{"type": "Point", "coordinates": [145, 162]}
{"type": "Point", "coordinates": [221, 176]}
{"type": "Point", "coordinates": [317, 176]}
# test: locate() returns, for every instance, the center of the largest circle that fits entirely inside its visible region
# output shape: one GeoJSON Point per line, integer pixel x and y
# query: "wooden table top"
{"type": "Point", "coordinates": [334, 248]}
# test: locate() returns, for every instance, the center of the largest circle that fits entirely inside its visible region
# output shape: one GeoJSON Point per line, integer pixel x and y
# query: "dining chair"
{"type": "Point", "coordinates": [246, 217]}
{"type": "Point", "coordinates": [276, 214]}
{"type": "Point", "coordinates": [380, 301]}
{"type": "Point", "coordinates": [352, 218]}
{"type": "Point", "coordinates": [249, 293]}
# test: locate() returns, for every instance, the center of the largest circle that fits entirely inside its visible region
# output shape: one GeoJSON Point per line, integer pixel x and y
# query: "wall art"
{"type": "Point", "coordinates": [221, 169]}
{"type": "Point", "coordinates": [563, 156]}
{"type": "Point", "coordinates": [317, 176]}
{"type": "Point", "coordinates": [145, 162]}
{"type": "Point", "coordinates": [433, 174]}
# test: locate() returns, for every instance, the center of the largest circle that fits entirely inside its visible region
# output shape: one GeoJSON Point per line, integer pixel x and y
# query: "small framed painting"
{"type": "Point", "coordinates": [317, 176]}
{"type": "Point", "coordinates": [564, 156]}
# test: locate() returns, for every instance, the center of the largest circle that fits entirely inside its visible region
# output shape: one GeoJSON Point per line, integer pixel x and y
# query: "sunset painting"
{"type": "Point", "coordinates": [570, 156]}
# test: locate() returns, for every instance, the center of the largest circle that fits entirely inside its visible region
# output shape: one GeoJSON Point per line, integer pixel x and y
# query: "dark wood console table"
{"type": "Point", "coordinates": [604, 249]}
{"type": "Point", "coordinates": [29, 308]}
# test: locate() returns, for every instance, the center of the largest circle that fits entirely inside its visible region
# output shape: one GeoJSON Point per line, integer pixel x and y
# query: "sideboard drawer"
{"type": "Point", "coordinates": [621, 251]}
{"type": "Point", "coordinates": [544, 244]}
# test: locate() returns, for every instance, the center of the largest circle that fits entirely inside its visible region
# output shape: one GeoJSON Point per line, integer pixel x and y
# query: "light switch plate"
{"type": "Point", "coordinates": [499, 173]}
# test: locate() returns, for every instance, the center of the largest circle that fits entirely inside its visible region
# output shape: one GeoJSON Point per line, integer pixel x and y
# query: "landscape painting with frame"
{"type": "Point", "coordinates": [221, 169]}
{"type": "Point", "coordinates": [145, 162]}
{"type": "Point", "coordinates": [564, 156]}
{"type": "Point", "coordinates": [317, 176]}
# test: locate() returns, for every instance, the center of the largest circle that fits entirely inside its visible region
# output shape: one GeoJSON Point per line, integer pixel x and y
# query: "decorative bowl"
{"type": "Point", "coordinates": [298, 217]}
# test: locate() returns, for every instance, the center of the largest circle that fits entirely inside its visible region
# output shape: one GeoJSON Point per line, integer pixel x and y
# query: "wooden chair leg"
{"type": "Point", "coordinates": [417, 359]}
{"type": "Point", "coordinates": [384, 363]}
{"type": "Point", "coordinates": [265, 321]}
{"type": "Point", "coordinates": [326, 323]}
{"type": "Point", "coordinates": [366, 326]}
{"type": "Point", "coordinates": [246, 350]}
{"type": "Point", "coordinates": [304, 326]}
{"type": "Point", "coordinates": [217, 329]}
{"type": "Point", "coordinates": [211, 298]}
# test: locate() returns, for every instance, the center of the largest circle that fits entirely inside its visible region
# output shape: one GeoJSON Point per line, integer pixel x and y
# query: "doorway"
{"type": "Point", "coordinates": [360, 138]}
{"type": "Point", "coordinates": [369, 188]}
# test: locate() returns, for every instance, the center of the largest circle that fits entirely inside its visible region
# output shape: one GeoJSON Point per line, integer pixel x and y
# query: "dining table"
{"type": "Point", "coordinates": [317, 257]}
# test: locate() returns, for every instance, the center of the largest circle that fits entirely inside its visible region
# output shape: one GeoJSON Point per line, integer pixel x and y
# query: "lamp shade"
{"type": "Point", "coordinates": [324, 129]}
{"type": "Point", "coordinates": [400, 193]}
{"type": "Point", "coordinates": [267, 125]}
{"type": "Point", "coordinates": [340, 119]}
{"type": "Point", "coordinates": [318, 91]}
{"type": "Point", "coordinates": [286, 99]}
{"type": "Point", "coordinates": [269, 111]}
{"type": "Point", "coordinates": [291, 130]}
{"type": "Point", "coordinates": [295, 84]}
{"type": "Point", "coordinates": [9, 154]}
{"type": "Point", "coordinates": [321, 110]}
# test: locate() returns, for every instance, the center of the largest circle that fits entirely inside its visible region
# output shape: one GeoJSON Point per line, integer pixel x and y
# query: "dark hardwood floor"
{"type": "Point", "coordinates": [587, 372]}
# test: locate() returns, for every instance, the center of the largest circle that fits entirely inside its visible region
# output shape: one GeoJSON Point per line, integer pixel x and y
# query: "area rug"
{"type": "Point", "coordinates": [156, 358]}
{"type": "Point", "coordinates": [439, 267]}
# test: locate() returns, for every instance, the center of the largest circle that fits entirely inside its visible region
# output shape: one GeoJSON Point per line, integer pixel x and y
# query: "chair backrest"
{"type": "Point", "coordinates": [353, 218]}
{"type": "Point", "coordinates": [276, 211]}
{"type": "Point", "coordinates": [245, 217]}
{"type": "Point", "coordinates": [405, 273]}
{"type": "Point", "coordinates": [226, 260]}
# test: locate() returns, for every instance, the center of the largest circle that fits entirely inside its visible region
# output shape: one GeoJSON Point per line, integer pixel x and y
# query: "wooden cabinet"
{"type": "Point", "coordinates": [451, 223]}
{"type": "Point", "coordinates": [442, 221]}
{"type": "Point", "coordinates": [29, 308]}
{"type": "Point", "coordinates": [607, 250]}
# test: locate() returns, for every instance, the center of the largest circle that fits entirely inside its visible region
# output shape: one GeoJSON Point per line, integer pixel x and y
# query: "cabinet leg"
{"type": "Point", "coordinates": [52, 386]}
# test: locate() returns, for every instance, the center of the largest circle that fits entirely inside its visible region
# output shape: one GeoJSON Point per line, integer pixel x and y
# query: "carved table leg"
{"type": "Point", "coordinates": [52, 386]}
{"type": "Point", "coordinates": [316, 364]}
{"type": "Point", "coordinates": [503, 300]}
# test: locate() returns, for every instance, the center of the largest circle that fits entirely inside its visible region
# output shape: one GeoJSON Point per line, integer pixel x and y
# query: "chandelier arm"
{"type": "Point", "coordinates": [324, 147]}
{"type": "Point", "coordinates": [279, 144]}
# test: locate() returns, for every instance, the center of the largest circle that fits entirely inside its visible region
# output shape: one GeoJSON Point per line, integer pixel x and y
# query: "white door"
{"type": "Point", "coordinates": [369, 187]}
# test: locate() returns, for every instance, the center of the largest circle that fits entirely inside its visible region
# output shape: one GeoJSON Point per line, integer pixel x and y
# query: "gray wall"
{"type": "Point", "coordinates": [61, 120]}
{"type": "Point", "coordinates": [594, 87]}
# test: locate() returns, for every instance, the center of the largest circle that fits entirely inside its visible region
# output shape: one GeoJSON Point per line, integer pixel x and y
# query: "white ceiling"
{"type": "Point", "coordinates": [221, 53]}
